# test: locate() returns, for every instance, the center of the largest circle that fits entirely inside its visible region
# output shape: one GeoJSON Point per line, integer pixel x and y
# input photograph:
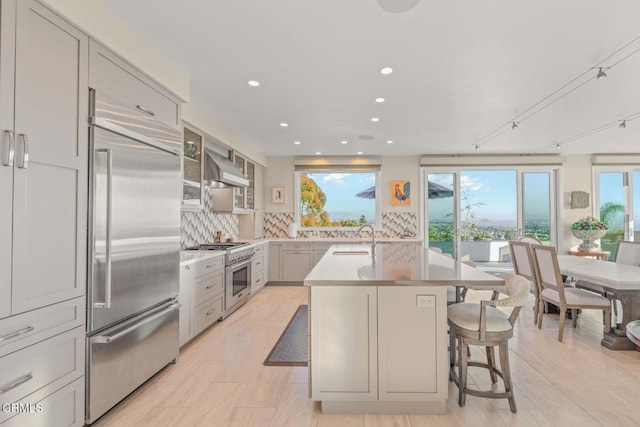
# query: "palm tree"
{"type": "Point", "coordinates": [609, 211]}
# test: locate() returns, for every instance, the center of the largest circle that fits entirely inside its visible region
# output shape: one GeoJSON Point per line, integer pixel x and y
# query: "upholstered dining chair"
{"type": "Point", "coordinates": [522, 260]}
{"type": "Point", "coordinates": [628, 253]}
{"type": "Point", "coordinates": [553, 290]}
{"type": "Point", "coordinates": [529, 239]}
{"type": "Point", "coordinates": [485, 324]}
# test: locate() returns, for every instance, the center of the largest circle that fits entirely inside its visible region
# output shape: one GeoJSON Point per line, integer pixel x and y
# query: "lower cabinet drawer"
{"type": "Point", "coordinates": [207, 313]}
{"type": "Point", "coordinates": [56, 361]}
{"type": "Point", "coordinates": [20, 331]}
{"type": "Point", "coordinates": [48, 407]}
{"type": "Point", "coordinates": [257, 280]}
{"type": "Point", "coordinates": [207, 286]}
{"type": "Point", "coordinates": [257, 263]}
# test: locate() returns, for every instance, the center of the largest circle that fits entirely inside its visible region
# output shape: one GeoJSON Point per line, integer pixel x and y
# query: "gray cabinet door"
{"type": "Point", "coordinates": [7, 56]}
{"type": "Point", "coordinates": [49, 197]}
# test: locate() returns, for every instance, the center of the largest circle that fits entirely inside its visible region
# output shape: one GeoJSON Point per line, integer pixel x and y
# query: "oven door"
{"type": "Point", "coordinates": [238, 284]}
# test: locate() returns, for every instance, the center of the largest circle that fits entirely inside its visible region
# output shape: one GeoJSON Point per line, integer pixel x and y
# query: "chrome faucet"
{"type": "Point", "coordinates": [373, 238]}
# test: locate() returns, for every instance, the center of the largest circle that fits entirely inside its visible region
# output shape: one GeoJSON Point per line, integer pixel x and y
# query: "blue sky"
{"type": "Point", "coordinates": [496, 190]}
{"type": "Point", "coordinates": [341, 190]}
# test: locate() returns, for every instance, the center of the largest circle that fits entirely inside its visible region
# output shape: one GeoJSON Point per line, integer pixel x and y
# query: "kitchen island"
{"type": "Point", "coordinates": [378, 327]}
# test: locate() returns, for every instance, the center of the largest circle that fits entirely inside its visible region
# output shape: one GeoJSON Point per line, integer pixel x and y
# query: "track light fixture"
{"type": "Point", "coordinates": [476, 146]}
{"type": "Point", "coordinates": [557, 146]}
{"type": "Point", "coordinates": [514, 125]}
{"type": "Point", "coordinates": [623, 124]}
{"type": "Point", "coordinates": [601, 72]}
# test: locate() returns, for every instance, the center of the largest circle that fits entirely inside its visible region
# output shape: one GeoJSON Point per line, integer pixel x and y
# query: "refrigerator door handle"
{"type": "Point", "coordinates": [7, 157]}
{"type": "Point", "coordinates": [107, 339]}
{"type": "Point", "coordinates": [25, 151]}
{"type": "Point", "coordinates": [107, 274]}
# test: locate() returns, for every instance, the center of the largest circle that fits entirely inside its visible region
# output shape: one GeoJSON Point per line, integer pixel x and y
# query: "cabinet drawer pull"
{"type": "Point", "coordinates": [211, 265]}
{"type": "Point", "coordinates": [146, 110]}
{"type": "Point", "coordinates": [210, 286]}
{"type": "Point", "coordinates": [209, 313]}
{"type": "Point", "coordinates": [258, 263]}
{"type": "Point", "coordinates": [7, 155]}
{"type": "Point", "coordinates": [259, 280]}
{"type": "Point", "coordinates": [15, 383]}
{"type": "Point", "coordinates": [16, 333]}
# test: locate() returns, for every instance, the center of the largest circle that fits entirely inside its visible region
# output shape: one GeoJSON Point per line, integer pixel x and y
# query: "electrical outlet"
{"type": "Point", "coordinates": [426, 301]}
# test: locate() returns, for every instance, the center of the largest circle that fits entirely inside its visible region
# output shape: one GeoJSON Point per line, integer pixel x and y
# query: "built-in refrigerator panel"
{"type": "Point", "coordinates": [135, 228]}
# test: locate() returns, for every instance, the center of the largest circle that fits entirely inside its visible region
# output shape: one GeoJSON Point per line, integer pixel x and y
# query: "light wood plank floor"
{"type": "Point", "coordinates": [219, 379]}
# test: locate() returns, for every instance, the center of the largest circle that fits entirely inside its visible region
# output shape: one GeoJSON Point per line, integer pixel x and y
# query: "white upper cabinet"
{"type": "Point", "coordinates": [192, 156]}
{"type": "Point", "coordinates": [43, 171]}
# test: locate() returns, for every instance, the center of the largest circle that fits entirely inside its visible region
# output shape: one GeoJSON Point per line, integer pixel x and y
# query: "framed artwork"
{"type": "Point", "coordinates": [277, 195]}
{"type": "Point", "coordinates": [400, 193]}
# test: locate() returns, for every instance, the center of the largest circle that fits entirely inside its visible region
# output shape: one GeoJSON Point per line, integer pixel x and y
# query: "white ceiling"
{"type": "Point", "coordinates": [463, 69]}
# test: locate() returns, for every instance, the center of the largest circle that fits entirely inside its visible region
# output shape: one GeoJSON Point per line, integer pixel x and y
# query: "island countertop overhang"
{"type": "Point", "coordinates": [395, 265]}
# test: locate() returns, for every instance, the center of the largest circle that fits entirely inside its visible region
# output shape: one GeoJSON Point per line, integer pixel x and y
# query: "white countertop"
{"type": "Point", "coordinates": [189, 257]}
{"type": "Point", "coordinates": [396, 264]}
{"type": "Point", "coordinates": [347, 240]}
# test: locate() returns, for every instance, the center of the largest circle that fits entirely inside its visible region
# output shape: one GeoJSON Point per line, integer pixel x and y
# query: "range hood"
{"type": "Point", "coordinates": [222, 172]}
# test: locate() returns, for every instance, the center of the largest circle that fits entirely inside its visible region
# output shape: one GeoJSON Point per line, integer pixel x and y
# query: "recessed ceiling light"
{"type": "Point", "coordinates": [389, 142]}
{"type": "Point", "coordinates": [386, 70]}
{"type": "Point", "coordinates": [375, 119]}
{"type": "Point", "coordinates": [297, 142]}
{"type": "Point", "coordinates": [284, 125]}
{"type": "Point", "coordinates": [344, 142]}
{"type": "Point", "coordinates": [318, 153]}
{"type": "Point", "coordinates": [379, 100]}
{"type": "Point", "coordinates": [253, 83]}
{"type": "Point", "coordinates": [359, 153]}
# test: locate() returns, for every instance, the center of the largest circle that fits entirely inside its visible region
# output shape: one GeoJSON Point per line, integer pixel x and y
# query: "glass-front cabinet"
{"type": "Point", "coordinates": [192, 170]}
{"type": "Point", "coordinates": [251, 175]}
{"type": "Point", "coordinates": [245, 197]}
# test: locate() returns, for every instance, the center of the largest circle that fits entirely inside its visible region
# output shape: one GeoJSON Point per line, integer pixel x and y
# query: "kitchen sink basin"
{"type": "Point", "coordinates": [350, 253]}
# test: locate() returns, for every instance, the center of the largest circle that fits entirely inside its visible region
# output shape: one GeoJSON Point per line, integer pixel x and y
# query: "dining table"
{"type": "Point", "coordinates": [619, 281]}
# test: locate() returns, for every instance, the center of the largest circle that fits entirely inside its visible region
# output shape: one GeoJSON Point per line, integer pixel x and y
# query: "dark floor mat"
{"type": "Point", "coordinates": [291, 349]}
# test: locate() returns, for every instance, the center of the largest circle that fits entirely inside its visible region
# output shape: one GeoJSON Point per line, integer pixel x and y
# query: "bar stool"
{"type": "Point", "coordinates": [485, 325]}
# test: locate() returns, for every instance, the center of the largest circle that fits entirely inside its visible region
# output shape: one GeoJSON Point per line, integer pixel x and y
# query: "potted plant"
{"type": "Point", "coordinates": [588, 229]}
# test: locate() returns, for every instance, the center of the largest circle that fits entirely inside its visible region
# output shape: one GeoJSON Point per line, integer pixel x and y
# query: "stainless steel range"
{"type": "Point", "coordinates": [237, 261]}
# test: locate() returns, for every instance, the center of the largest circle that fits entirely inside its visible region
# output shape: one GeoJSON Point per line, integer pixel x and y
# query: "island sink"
{"type": "Point", "coordinates": [350, 253]}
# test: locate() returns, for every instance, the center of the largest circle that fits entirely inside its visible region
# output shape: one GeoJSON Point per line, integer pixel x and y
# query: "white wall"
{"type": "Point", "coordinates": [576, 176]}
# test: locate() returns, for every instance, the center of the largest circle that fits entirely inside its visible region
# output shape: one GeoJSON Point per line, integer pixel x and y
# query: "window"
{"type": "Point", "coordinates": [336, 197]}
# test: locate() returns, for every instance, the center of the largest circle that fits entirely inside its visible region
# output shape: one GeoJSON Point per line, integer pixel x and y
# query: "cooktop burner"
{"type": "Point", "coordinates": [222, 246]}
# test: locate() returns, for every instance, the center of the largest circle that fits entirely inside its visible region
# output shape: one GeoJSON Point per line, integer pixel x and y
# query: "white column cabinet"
{"type": "Point", "coordinates": [259, 267]}
{"type": "Point", "coordinates": [412, 364]}
{"type": "Point", "coordinates": [344, 359]}
{"type": "Point", "coordinates": [275, 270]}
{"type": "Point", "coordinates": [201, 296]}
{"type": "Point", "coordinates": [43, 188]}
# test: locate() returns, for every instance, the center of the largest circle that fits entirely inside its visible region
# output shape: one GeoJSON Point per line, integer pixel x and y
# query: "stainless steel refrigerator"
{"type": "Point", "coordinates": [134, 247]}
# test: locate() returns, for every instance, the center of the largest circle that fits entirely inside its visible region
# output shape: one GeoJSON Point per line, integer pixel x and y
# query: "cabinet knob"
{"type": "Point", "coordinates": [186, 267]}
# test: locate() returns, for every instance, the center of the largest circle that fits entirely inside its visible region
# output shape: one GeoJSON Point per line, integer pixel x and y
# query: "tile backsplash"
{"type": "Point", "coordinates": [393, 226]}
{"type": "Point", "coordinates": [200, 226]}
